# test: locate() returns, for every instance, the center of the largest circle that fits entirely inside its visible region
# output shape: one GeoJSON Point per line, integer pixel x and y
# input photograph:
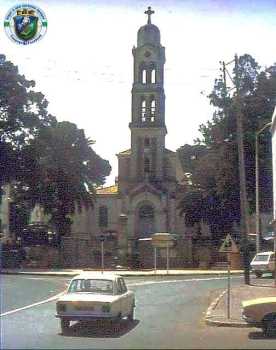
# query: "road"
{"type": "Point", "coordinates": [169, 314]}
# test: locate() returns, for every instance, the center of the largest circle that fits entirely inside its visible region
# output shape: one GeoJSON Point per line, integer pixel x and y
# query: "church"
{"type": "Point", "coordinates": [148, 188]}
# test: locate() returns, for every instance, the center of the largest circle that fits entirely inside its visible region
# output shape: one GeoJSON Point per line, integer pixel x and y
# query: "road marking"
{"type": "Point", "coordinates": [39, 278]}
{"type": "Point", "coordinates": [175, 281]}
{"type": "Point", "coordinates": [32, 305]}
{"type": "Point", "coordinates": [55, 297]}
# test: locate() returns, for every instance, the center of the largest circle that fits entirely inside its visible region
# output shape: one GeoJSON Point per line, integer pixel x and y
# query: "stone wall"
{"type": "Point", "coordinates": [77, 252]}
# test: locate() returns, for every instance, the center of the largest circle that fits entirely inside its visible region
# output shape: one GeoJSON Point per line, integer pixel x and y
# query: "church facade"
{"type": "Point", "coordinates": [144, 198]}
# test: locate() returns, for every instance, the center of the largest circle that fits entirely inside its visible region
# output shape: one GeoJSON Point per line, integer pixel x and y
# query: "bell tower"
{"type": "Point", "coordinates": [148, 129]}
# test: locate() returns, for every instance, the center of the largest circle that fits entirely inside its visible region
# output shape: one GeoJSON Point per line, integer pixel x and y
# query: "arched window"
{"type": "Point", "coordinates": [153, 76]}
{"type": "Point", "coordinates": [143, 110]}
{"type": "Point", "coordinates": [146, 142]}
{"type": "Point", "coordinates": [103, 216]}
{"type": "Point", "coordinates": [146, 165]}
{"type": "Point", "coordinates": [144, 76]}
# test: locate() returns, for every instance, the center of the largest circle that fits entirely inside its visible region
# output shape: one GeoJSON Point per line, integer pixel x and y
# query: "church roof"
{"type": "Point", "coordinates": [107, 190]}
{"type": "Point", "coordinates": [149, 33]}
{"type": "Point", "coordinates": [125, 153]}
{"type": "Point", "coordinates": [168, 150]}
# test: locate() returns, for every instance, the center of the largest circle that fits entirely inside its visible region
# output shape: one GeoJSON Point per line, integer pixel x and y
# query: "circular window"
{"type": "Point", "coordinates": [147, 54]}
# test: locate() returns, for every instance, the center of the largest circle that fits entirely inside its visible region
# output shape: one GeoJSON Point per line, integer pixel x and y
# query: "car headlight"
{"type": "Point", "coordinates": [61, 307]}
{"type": "Point", "coordinates": [106, 308]}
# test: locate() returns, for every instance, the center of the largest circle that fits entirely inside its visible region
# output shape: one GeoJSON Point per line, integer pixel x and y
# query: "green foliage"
{"type": "Point", "coordinates": [63, 172]}
{"type": "Point", "coordinates": [23, 112]}
{"type": "Point", "coordinates": [49, 163]}
{"type": "Point", "coordinates": [214, 172]}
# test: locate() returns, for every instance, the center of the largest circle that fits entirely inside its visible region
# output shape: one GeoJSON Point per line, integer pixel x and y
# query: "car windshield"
{"type": "Point", "coordinates": [263, 257]}
{"type": "Point", "coordinates": [91, 286]}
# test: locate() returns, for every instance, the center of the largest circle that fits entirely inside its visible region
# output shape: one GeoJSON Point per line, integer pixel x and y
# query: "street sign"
{"type": "Point", "coordinates": [162, 244]}
{"type": "Point", "coordinates": [228, 245]}
{"type": "Point", "coordinates": [163, 240]}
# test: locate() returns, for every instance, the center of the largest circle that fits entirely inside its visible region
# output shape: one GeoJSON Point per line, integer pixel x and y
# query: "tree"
{"type": "Point", "coordinates": [215, 172]}
{"type": "Point", "coordinates": [62, 174]}
{"type": "Point", "coordinates": [23, 112]}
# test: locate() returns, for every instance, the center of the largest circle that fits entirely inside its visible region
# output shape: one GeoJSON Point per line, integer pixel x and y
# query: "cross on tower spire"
{"type": "Point", "coordinates": [149, 12]}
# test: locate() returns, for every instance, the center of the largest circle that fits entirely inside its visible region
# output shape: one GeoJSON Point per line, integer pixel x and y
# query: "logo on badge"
{"type": "Point", "coordinates": [25, 24]}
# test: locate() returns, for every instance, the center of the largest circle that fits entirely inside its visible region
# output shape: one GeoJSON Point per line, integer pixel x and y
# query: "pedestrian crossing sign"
{"type": "Point", "coordinates": [228, 245]}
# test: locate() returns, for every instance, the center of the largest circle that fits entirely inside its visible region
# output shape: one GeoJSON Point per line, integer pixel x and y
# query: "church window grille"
{"type": "Point", "coordinates": [146, 165]}
{"type": "Point", "coordinates": [152, 110]}
{"type": "Point", "coordinates": [146, 211]}
{"type": "Point", "coordinates": [143, 110]}
{"type": "Point", "coordinates": [103, 216]}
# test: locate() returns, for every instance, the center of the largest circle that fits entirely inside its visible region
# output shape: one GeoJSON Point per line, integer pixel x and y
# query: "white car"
{"type": "Point", "coordinates": [263, 263]}
{"type": "Point", "coordinates": [95, 296]}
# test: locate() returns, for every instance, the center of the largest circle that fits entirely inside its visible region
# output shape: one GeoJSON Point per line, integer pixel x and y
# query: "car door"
{"type": "Point", "coordinates": [124, 298]}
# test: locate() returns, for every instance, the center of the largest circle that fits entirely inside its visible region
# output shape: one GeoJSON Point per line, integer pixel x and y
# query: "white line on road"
{"type": "Point", "coordinates": [35, 304]}
{"type": "Point", "coordinates": [129, 284]}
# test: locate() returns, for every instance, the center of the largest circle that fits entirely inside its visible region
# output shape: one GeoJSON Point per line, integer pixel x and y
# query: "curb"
{"type": "Point", "coordinates": [62, 274]}
{"type": "Point", "coordinates": [213, 321]}
{"type": "Point", "coordinates": [213, 305]}
{"type": "Point", "coordinates": [217, 323]}
{"type": "Point", "coordinates": [122, 273]}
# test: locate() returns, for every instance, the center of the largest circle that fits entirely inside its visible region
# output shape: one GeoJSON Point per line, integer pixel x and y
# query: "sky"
{"type": "Point", "coordinates": [84, 64]}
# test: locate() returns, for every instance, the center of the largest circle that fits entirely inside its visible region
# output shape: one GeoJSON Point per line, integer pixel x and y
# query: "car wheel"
{"type": "Point", "coordinates": [64, 324]}
{"type": "Point", "coordinates": [130, 317]}
{"type": "Point", "coordinates": [258, 274]}
{"type": "Point", "coordinates": [269, 327]}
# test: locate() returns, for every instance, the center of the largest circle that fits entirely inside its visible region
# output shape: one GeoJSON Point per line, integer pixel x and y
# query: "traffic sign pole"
{"type": "Point", "coordinates": [102, 253]}
{"type": "Point", "coordinates": [167, 248]}
{"type": "Point", "coordinates": [228, 287]}
{"type": "Point", "coordinates": [155, 258]}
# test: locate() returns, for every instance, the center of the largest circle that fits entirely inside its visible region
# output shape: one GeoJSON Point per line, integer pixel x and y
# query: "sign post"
{"type": "Point", "coordinates": [168, 258]}
{"type": "Point", "coordinates": [228, 285]}
{"type": "Point", "coordinates": [228, 246]}
{"type": "Point", "coordinates": [102, 239]}
{"type": "Point", "coordinates": [155, 258]}
{"type": "Point", "coordinates": [162, 240]}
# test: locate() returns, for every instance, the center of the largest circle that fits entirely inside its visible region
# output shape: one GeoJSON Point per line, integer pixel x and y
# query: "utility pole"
{"type": "Point", "coordinates": [242, 176]}
{"type": "Point", "coordinates": [257, 190]}
{"type": "Point", "coordinates": [243, 197]}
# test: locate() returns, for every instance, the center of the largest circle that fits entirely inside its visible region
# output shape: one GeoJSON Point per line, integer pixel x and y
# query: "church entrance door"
{"type": "Point", "coordinates": [146, 220]}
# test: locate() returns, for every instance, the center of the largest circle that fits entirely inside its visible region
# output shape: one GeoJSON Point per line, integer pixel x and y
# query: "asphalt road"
{"type": "Point", "coordinates": [169, 314]}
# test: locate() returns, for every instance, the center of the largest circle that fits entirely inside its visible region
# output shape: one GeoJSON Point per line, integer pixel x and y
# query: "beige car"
{"type": "Point", "coordinates": [261, 313]}
{"type": "Point", "coordinates": [95, 296]}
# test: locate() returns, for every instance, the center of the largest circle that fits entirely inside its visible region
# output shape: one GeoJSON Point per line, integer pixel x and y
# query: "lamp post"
{"type": "Point", "coordinates": [257, 185]}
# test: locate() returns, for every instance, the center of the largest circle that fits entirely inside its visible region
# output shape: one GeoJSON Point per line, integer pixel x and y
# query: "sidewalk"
{"type": "Point", "coordinates": [216, 314]}
{"type": "Point", "coordinates": [126, 273]}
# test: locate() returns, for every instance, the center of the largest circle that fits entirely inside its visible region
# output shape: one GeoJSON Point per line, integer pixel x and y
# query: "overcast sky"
{"type": "Point", "coordinates": [84, 64]}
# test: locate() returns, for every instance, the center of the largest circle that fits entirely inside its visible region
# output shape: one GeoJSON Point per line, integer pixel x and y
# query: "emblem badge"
{"type": "Point", "coordinates": [25, 24]}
